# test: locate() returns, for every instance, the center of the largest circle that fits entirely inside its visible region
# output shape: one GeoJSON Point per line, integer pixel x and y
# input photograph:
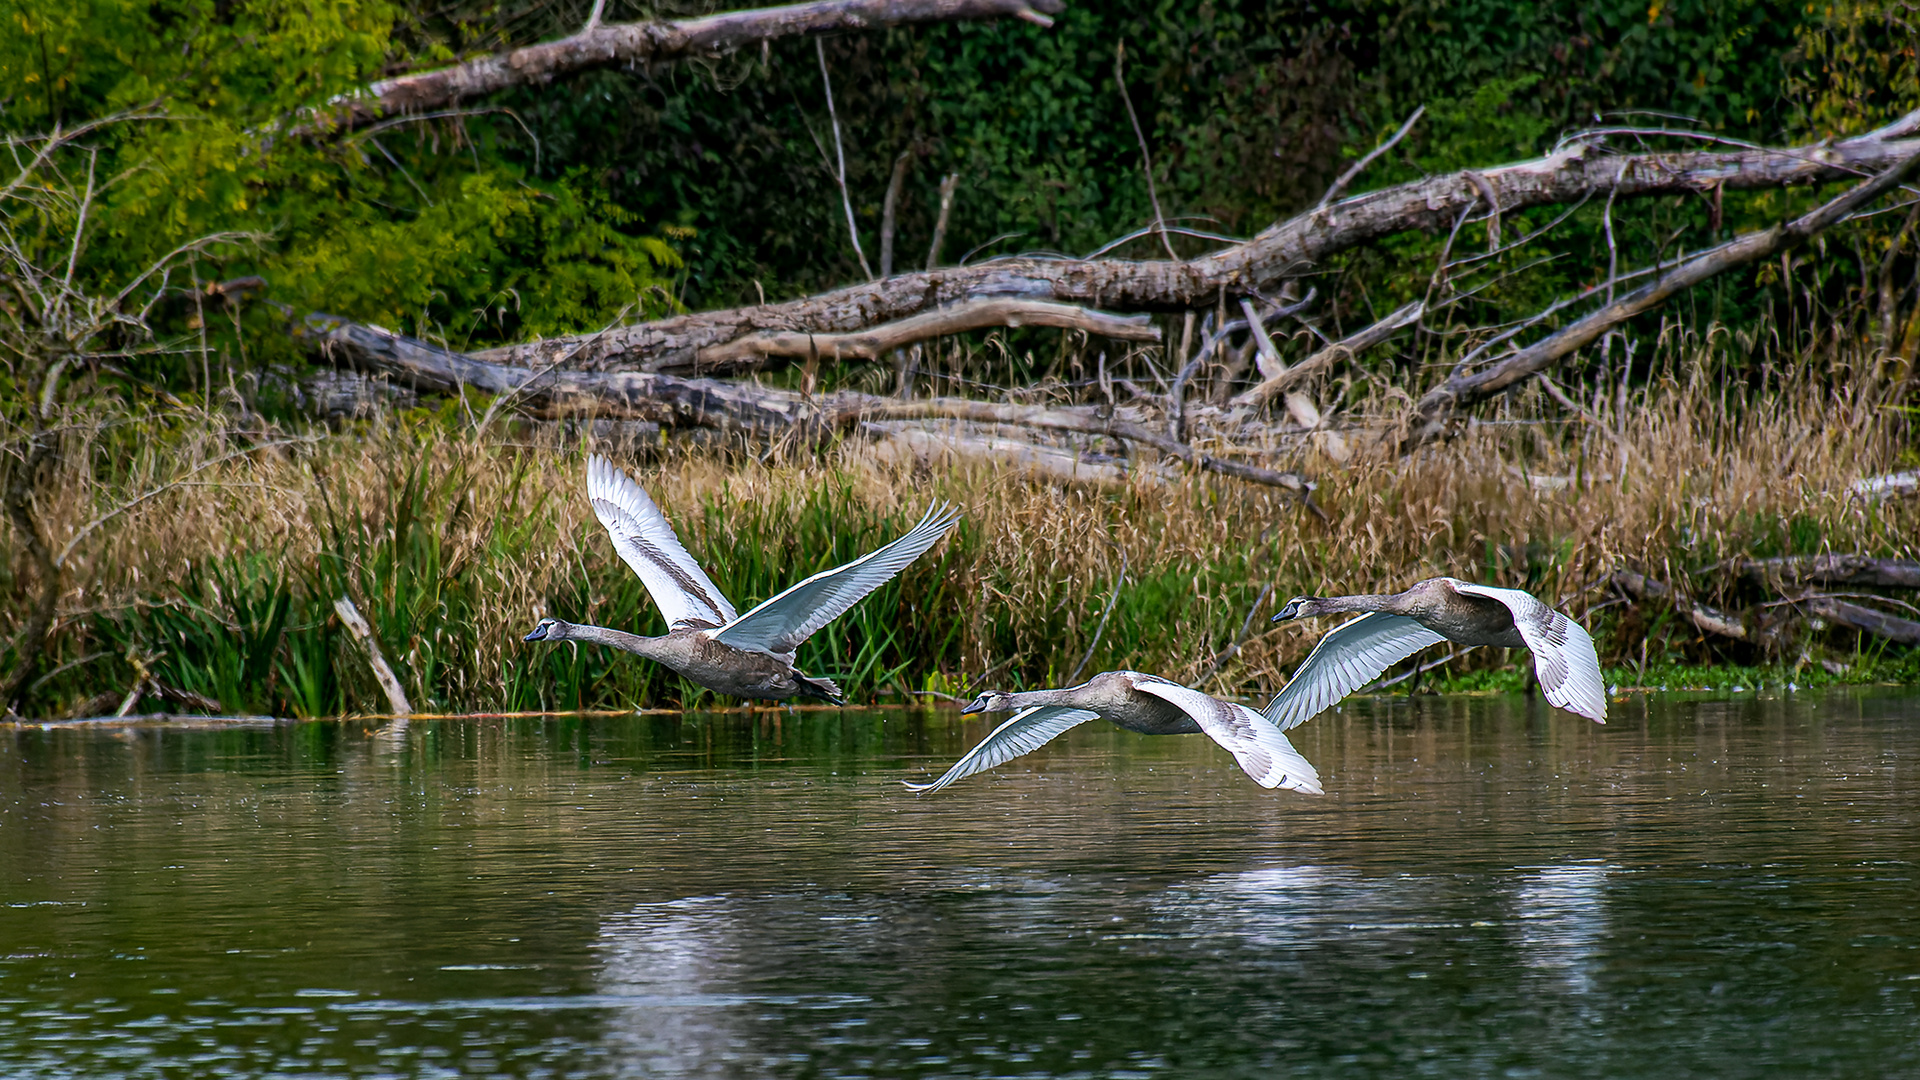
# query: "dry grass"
{"type": "Point", "coordinates": [454, 548]}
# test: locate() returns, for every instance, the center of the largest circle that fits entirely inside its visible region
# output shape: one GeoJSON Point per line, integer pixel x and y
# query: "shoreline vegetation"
{"type": "Point", "coordinates": [202, 557]}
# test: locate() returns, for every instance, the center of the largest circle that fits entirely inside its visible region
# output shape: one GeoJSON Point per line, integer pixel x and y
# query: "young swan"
{"type": "Point", "coordinates": [1438, 609]}
{"type": "Point", "coordinates": [1144, 703]}
{"type": "Point", "coordinates": [751, 655]}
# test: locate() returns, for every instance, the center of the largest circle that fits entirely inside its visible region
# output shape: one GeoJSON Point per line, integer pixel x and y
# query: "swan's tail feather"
{"type": "Point", "coordinates": [823, 689]}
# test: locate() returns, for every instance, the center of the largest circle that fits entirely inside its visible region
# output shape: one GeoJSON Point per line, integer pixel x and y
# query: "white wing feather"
{"type": "Point", "coordinates": [1260, 747]}
{"type": "Point", "coordinates": [1348, 658]}
{"type": "Point", "coordinates": [779, 625]}
{"type": "Point", "coordinates": [1563, 653]}
{"type": "Point", "coordinates": [1023, 733]}
{"type": "Point", "coordinates": [646, 541]}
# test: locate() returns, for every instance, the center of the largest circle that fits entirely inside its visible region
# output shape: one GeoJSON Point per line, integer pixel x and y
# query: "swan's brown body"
{"type": "Point", "coordinates": [693, 654]}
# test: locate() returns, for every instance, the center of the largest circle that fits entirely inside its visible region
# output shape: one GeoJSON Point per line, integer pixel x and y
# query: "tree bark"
{"type": "Point", "coordinates": [656, 42]}
{"type": "Point", "coordinates": [1284, 249]}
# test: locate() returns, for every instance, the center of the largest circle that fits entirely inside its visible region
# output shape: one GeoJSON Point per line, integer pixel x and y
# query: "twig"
{"type": "Point", "coordinates": [947, 187]}
{"type": "Point", "coordinates": [840, 158]}
{"type": "Point", "coordinates": [1118, 580]}
{"type": "Point", "coordinates": [1360, 166]}
{"type": "Point", "coordinates": [1146, 157]}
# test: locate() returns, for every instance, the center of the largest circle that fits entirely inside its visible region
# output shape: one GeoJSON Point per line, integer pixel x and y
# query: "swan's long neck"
{"type": "Point", "coordinates": [650, 647]}
{"type": "Point", "coordinates": [1028, 699]}
{"type": "Point", "coordinates": [1391, 603]}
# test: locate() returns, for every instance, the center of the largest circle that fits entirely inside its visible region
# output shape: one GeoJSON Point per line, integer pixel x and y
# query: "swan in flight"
{"type": "Point", "coordinates": [1144, 703]}
{"type": "Point", "coordinates": [751, 655]}
{"type": "Point", "coordinates": [1438, 609]}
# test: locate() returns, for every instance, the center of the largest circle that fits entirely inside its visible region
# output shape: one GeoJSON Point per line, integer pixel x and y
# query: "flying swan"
{"type": "Point", "coordinates": [1438, 609]}
{"type": "Point", "coordinates": [751, 655]}
{"type": "Point", "coordinates": [1138, 702]}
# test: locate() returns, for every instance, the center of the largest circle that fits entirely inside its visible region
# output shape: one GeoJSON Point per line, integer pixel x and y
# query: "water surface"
{"type": "Point", "coordinates": [1704, 887]}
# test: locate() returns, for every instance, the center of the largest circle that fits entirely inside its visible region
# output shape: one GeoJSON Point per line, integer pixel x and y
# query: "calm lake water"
{"type": "Point", "coordinates": [1704, 887]}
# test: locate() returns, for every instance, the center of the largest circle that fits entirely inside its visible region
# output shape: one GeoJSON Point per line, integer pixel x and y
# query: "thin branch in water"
{"type": "Point", "coordinates": [1146, 157]}
{"type": "Point", "coordinates": [840, 159]}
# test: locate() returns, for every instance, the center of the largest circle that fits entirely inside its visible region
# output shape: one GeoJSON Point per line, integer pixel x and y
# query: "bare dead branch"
{"type": "Point", "coordinates": [947, 188]}
{"type": "Point", "coordinates": [600, 45]}
{"type": "Point", "coordinates": [753, 350]}
{"type": "Point", "coordinates": [1346, 348]}
{"type": "Point", "coordinates": [1360, 166]}
{"type": "Point", "coordinates": [890, 210]}
{"type": "Point", "coordinates": [1430, 414]}
{"type": "Point", "coordinates": [1305, 241]}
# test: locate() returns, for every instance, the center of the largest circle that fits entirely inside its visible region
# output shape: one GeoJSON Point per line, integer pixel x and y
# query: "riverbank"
{"type": "Point", "coordinates": [212, 577]}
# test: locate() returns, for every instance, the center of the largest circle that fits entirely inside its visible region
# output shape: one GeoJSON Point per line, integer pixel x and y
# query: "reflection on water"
{"type": "Point", "coordinates": [1562, 917]}
{"type": "Point", "coordinates": [1702, 887]}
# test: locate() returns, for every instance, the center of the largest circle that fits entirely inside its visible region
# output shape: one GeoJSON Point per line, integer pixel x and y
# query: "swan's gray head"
{"type": "Point", "coordinates": [549, 630]}
{"type": "Point", "coordinates": [991, 701]}
{"type": "Point", "coordinates": [1297, 608]}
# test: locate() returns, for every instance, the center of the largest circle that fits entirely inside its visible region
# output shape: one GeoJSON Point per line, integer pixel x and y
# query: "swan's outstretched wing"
{"type": "Point", "coordinates": [1256, 743]}
{"type": "Point", "coordinates": [782, 623]}
{"type": "Point", "coordinates": [1352, 655]}
{"type": "Point", "coordinates": [1023, 733]}
{"type": "Point", "coordinates": [645, 539]}
{"type": "Point", "coordinates": [1563, 655]}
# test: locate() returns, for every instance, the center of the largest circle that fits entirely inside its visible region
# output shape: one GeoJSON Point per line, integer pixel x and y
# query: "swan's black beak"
{"type": "Point", "coordinates": [539, 633]}
{"type": "Point", "coordinates": [978, 704]}
{"type": "Point", "coordinates": [1291, 611]}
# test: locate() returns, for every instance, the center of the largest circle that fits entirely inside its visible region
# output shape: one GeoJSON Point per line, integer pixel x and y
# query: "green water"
{"type": "Point", "coordinates": [1705, 887]}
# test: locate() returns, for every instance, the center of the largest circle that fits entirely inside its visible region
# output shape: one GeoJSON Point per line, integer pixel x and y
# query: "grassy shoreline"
{"type": "Point", "coordinates": [222, 584]}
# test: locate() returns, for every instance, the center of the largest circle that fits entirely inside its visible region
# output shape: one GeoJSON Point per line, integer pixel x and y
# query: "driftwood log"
{"type": "Point", "coordinates": [1576, 171]}
{"type": "Point", "coordinates": [607, 45]}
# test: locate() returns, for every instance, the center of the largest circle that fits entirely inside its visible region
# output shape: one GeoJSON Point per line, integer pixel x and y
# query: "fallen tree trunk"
{"type": "Point", "coordinates": [1086, 420]}
{"type": "Point", "coordinates": [1864, 619]}
{"type": "Point", "coordinates": [1430, 414]}
{"type": "Point", "coordinates": [657, 42]}
{"type": "Point", "coordinates": [1435, 203]}
{"type": "Point", "coordinates": [757, 411]}
{"type": "Point", "coordinates": [1708, 620]}
{"type": "Point", "coordinates": [1863, 570]}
